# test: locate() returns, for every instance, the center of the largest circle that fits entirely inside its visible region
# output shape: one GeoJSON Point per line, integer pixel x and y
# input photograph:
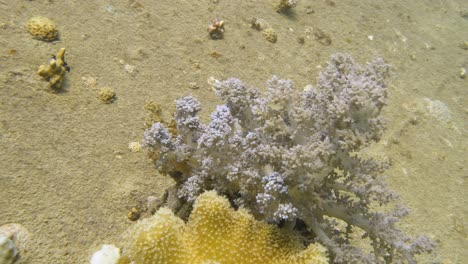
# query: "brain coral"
{"type": "Point", "coordinates": [216, 233]}
{"type": "Point", "coordinates": [42, 28]}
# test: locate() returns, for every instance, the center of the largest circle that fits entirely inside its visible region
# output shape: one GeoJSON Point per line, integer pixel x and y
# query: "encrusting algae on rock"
{"type": "Point", "coordinates": [215, 233]}
{"type": "Point", "coordinates": [55, 70]}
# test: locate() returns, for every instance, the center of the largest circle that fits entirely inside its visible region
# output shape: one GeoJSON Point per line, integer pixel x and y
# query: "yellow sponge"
{"type": "Point", "coordinates": [42, 28]}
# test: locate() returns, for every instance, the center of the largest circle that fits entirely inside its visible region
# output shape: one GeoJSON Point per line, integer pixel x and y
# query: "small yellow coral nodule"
{"type": "Point", "coordinates": [270, 35]}
{"type": "Point", "coordinates": [107, 95]}
{"type": "Point", "coordinates": [42, 28]}
{"type": "Point", "coordinates": [216, 233]}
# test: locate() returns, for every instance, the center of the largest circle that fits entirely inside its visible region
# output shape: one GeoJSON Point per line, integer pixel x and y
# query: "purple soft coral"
{"type": "Point", "coordinates": [291, 156]}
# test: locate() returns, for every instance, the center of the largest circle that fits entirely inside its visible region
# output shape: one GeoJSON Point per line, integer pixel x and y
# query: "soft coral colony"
{"type": "Point", "coordinates": [291, 158]}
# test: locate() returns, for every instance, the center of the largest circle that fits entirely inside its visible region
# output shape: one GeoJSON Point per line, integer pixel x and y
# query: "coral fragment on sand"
{"type": "Point", "coordinates": [55, 70]}
{"type": "Point", "coordinates": [107, 95]}
{"type": "Point", "coordinates": [14, 239]}
{"type": "Point", "coordinates": [285, 5]}
{"type": "Point", "coordinates": [216, 29]}
{"type": "Point", "coordinates": [8, 250]}
{"type": "Point", "coordinates": [109, 254]}
{"type": "Point", "coordinates": [270, 35]}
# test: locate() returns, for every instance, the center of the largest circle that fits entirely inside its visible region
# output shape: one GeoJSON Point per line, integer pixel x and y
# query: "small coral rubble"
{"type": "Point", "coordinates": [216, 29]}
{"type": "Point", "coordinates": [293, 155]}
{"type": "Point", "coordinates": [107, 95]}
{"type": "Point", "coordinates": [285, 5]}
{"type": "Point", "coordinates": [14, 239]}
{"type": "Point", "coordinates": [55, 70]}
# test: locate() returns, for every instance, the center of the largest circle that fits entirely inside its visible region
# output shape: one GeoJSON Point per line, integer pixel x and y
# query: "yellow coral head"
{"type": "Point", "coordinates": [216, 233]}
{"type": "Point", "coordinates": [158, 239]}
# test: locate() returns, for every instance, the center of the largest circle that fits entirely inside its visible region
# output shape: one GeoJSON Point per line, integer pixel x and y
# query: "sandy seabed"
{"type": "Point", "coordinates": [68, 176]}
